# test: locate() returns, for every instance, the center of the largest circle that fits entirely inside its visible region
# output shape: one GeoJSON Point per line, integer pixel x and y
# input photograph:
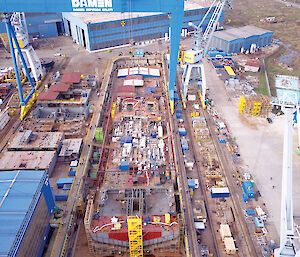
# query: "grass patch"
{"type": "Point", "coordinates": [273, 69]}
{"type": "Point", "coordinates": [262, 87]}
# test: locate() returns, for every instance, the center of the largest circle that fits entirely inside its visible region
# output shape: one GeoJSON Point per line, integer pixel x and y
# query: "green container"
{"type": "Point", "coordinates": [96, 155]}
{"type": "Point", "coordinates": [99, 135]}
{"type": "Point", "coordinates": [297, 151]}
{"type": "Point", "coordinates": [252, 182]}
{"type": "Point", "coordinates": [93, 174]}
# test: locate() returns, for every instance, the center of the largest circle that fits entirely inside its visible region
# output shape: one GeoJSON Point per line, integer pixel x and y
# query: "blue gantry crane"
{"type": "Point", "coordinates": [174, 7]}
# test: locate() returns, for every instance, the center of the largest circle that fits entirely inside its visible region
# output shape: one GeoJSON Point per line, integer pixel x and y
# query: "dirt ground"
{"type": "Point", "coordinates": [260, 145]}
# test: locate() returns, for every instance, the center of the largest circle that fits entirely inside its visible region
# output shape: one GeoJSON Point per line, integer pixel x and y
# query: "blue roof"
{"type": "Point", "coordinates": [18, 190]}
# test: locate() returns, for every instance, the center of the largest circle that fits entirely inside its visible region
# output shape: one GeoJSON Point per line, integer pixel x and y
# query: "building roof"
{"type": "Point", "coordinates": [253, 63]}
{"type": "Point", "coordinates": [41, 141]}
{"type": "Point", "coordinates": [255, 30]}
{"type": "Point", "coordinates": [27, 160]}
{"type": "Point", "coordinates": [60, 87]}
{"type": "Point", "coordinates": [18, 192]}
{"type": "Point", "coordinates": [98, 17]}
{"type": "Point", "coordinates": [126, 89]}
{"type": "Point", "coordinates": [71, 146]}
{"type": "Point", "coordinates": [71, 77]}
{"type": "Point", "coordinates": [47, 95]}
{"type": "Point", "coordinates": [242, 32]}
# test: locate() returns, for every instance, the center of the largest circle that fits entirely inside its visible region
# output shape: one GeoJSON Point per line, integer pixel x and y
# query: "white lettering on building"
{"type": "Point", "coordinates": [90, 4]}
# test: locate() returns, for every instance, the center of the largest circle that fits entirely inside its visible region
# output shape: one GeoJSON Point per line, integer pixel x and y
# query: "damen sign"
{"type": "Point", "coordinates": [92, 5]}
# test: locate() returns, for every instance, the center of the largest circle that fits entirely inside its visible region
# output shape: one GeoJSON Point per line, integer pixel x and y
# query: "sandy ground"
{"type": "Point", "coordinates": [260, 146]}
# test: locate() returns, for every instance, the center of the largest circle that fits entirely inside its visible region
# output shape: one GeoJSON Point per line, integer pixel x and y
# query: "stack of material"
{"type": "Point", "coordinates": [255, 105]}
{"type": "Point", "coordinates": [4, 118]}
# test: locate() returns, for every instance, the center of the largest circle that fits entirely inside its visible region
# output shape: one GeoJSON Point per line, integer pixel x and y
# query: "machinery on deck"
{"type": "Point", "coordinates": [194, 73]}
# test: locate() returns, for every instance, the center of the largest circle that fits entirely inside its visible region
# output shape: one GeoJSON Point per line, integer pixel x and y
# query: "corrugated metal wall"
{"type": "Point", "coordinates": [235, 46]}
{"type": "Point", "coordinates": [43, 25]}
{"type": "Point", "coordinates": [77, 29]}
{"type": "Point", "coordinates": [110, 34]}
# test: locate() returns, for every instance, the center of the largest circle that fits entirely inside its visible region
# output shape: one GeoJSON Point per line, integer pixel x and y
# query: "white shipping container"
{"type": "Point", "coordinates": [160, 131]}
{"type": "Point", "coordinates": [191, 97]}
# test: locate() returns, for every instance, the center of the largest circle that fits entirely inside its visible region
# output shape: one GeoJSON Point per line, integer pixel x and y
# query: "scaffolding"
{"type": "Point", "coordinates": [135, 236]}
{"type": "Point", "coordinates": [255, 105]}
{"type": "Point", "coordinates": [242, 105]}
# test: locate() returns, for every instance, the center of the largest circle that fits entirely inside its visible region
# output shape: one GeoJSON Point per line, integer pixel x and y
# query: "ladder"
{"type": "Point", "coordinates": [135, 236]}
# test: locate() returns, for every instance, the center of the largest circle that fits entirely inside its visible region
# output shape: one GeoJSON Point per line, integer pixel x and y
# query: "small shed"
{"type": "Point", "coordinates": [225, 231]}
{"type": "Point", "coordinates": [229, 245]}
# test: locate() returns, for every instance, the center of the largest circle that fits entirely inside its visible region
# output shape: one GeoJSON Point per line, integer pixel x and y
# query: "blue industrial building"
{"type": "Point", "coordinates": [103, 30]}
{"type": "Point", "coordinates": [26, 205]}
{"type": "Point", "coordinates": [243, 39]}
{"type": "Point", "coordinates": [42, 25]}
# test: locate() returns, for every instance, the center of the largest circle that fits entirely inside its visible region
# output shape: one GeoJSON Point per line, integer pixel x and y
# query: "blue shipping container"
{"type": "Point", "coordinates": [60, 182]}
{"type": "Point", "coordinates": [191, 183]}
{"type": "Point", "coordinates": [248, 189]}
{"type": "Point", "coordinates": [259, 222]}
{"type": "Point", "coordinates": [218, 192]}
{"type": "Point", "coordinates": [182, 132]}
{"type": "Point", "coordinates": [124, 166]}
{"type": "Point", "coordinates": [245, 198]}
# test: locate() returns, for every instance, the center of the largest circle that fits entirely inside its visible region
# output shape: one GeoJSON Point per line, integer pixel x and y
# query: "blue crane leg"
{"type": "Point", "coordinates": [9, 33]}
{"type": "Point", "coordinates": [176, 26]}
{"type": "Point", "coordinates": [25, 67]}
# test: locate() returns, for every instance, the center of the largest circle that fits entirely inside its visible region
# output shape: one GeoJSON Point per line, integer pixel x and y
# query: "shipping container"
{"type": "Point", "coordinates": [61, 195]}
{"type": "Point", "coordinates": [221, 139]}
{"type": "Point", "coordinates": [191, 183]}
{"type": "Point", "coordinates": [60, 182]}
{"type": "Point", "coordinates": [182, 132]}
{"type": "Point", "coordinates": [218, 192]}
{"type": "Point", "coordinates": [124, 166]}
{"type": "Point", "coordinates": [184, 144]}
{"type": "Point", "coordinates": [248, 189]}
{"type": "Point", "coordinates": [157, 180]}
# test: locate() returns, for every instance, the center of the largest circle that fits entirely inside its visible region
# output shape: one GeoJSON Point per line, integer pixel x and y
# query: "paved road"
{"type": "Point", "coordinates": [228, 168]}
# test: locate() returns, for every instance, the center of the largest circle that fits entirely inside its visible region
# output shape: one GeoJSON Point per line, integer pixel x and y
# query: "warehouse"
{"type": "Point", "coordinates": [104, 30]}
{"type": "Point", "coordinates": [26, 208]}
{"type": "Point", "coordinates": [243, 39]}
{"type": "Point", "coordinates": [42, 25]}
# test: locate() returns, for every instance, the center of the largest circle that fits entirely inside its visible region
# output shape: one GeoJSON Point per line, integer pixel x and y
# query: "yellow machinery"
{"type": "Point", "coordinates": [135, 235]}
{"type": "Point", "coordinates": [229, 70]}
{"type": "Point", "coordinates": [190, 56]}
{"type": "Point", "coordinates": [242, 104]}
{"type": "Point", "coordinates": [113, 110]}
